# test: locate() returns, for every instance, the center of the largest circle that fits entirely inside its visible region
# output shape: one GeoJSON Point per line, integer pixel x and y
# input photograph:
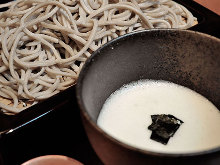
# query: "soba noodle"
{"type": "Point", "coordinates": [44, 44]}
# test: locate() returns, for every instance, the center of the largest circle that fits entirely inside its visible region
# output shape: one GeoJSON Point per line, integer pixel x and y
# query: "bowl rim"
{"type": "Point", "coordinates": [85, 114]}
{"type": "Point", "coordinates": [43, 158]}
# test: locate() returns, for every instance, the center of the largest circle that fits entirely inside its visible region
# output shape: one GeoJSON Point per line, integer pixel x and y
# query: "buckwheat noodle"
{"type": "Point", "coordinates": [44, 44]}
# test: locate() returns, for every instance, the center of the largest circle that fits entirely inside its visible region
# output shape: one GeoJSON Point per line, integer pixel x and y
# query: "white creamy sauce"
{"type": "Point", "coordinates": [126, 116]}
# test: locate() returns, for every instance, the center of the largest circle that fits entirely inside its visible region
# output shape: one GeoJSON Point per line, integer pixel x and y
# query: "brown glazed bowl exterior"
{"type": "Point", "coordinates": [187, 58]}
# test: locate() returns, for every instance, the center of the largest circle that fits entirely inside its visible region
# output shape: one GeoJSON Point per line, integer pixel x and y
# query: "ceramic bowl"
{"type": "Point", "coordinates": [187, 58]}
{"type": "Point", "coordinates": [52, 160]}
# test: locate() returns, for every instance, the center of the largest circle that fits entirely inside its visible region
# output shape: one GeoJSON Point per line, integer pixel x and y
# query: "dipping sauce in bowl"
{"type": "Point", "coordinates": [126, 115]}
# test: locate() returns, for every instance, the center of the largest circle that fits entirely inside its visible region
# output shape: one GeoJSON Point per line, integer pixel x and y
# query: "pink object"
{"type": "Point", "coordinates": [52, 160]}
{"type": "Point", "coordinates": [213, 5]}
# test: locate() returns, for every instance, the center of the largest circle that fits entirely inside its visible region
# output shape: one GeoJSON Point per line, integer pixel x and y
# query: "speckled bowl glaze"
{"type": "Point", "coordinates": [188, 58]}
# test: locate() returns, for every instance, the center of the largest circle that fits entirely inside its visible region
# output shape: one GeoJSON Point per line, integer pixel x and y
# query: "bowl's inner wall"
{"type": "Point", "coordinates": [182, 57]}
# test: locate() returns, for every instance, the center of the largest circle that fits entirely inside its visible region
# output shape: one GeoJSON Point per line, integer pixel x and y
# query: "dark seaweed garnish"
{"type": "Point", "coordinates": [163, 127]}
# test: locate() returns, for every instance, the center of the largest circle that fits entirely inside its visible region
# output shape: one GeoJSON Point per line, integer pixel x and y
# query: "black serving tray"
{"type": "Point", "coordinates": [54, 125]}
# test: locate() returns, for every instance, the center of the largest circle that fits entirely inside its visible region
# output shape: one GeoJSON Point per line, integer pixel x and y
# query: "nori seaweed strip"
{"type": "Point", "coordinates": [163, 127]}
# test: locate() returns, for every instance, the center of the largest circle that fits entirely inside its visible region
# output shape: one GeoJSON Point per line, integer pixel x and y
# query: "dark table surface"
{"type": "Point", "coordinates": [58, 132]}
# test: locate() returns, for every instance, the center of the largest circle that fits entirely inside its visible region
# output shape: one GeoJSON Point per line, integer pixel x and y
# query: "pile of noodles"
{"type": "Point", "coordinates": [44, 44]}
